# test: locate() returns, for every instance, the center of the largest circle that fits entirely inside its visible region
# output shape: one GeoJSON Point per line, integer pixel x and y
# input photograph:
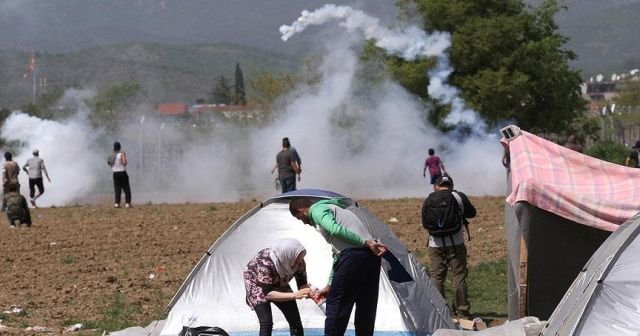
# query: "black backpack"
{"type": "Point", "coordinates": [202, 331]}
{"type": "Point", "coordinates": [442, 214]}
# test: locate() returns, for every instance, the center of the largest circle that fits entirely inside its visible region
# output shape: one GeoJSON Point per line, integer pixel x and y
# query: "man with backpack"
{"type": "Point", "coordinates": [444, 215]}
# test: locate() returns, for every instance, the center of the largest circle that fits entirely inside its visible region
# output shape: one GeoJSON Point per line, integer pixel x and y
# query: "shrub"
{"type": "Point", "coordinates": [609, 151]}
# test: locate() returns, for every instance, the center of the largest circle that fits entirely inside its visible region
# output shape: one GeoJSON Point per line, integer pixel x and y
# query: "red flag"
{"type": "Point", "coordinates": [32, 66]}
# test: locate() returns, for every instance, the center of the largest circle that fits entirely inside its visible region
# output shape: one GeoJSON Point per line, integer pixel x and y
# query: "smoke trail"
{"type": "Point", "coordinates": [410, 43]}
{"type": "Point", "coordinates": [389, 160]}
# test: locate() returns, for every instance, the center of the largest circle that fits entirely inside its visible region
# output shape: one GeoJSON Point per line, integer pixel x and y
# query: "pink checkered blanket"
{"type": "Point", "coordinates": [572, 185]}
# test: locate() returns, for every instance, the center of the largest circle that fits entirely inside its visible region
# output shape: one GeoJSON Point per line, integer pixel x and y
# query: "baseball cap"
{"type": "Point", "coordinates": [444, 180]}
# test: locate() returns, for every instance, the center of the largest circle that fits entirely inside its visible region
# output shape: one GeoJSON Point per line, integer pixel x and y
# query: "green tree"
{"type": "Point", "coordinates": [221, 93]}
{"type": "Point", "coordinates": [239, 95]}
{"type": "Point", "coordinates": [45, 105]}
{"type": "Point", "coordinates": [267, 88]}
{"type": "Point", "coordinates": [629, 93]}
{"type": "Point", "coordinates": [508, 59]}
{"type": "Point", "coordinates": [112, 104]}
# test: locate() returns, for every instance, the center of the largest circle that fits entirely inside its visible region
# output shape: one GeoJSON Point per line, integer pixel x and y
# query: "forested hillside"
{"type": "Point", "coordinates": [166, 72]}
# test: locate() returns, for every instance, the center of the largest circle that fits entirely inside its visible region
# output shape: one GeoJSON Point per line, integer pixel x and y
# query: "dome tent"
{"type": "Point", "coordinates": [213, 293]}
{"type": "Point", "coordinates": [603, 299]}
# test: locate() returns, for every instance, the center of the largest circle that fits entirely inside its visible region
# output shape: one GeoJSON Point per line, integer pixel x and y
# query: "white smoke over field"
{"type": "Point", "coordinates": [391, 159]}
{"type": "Point", "coordinates": [364, 140]}
{"type": "Point", "coordinates": [65, 146]}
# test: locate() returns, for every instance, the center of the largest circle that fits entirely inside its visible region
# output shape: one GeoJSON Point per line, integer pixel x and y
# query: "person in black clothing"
{"type": "Point", "coordinates": [633, 156]}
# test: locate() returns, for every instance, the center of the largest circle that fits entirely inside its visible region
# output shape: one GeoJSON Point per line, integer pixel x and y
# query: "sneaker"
{"type": "Point", "coordinates": [127, 205]}
{"type": "Point", "coordinates": [33, 202]}
{"type": "Point", "coordinates": [12, 226]}
{"type": "Point", "coordinates": [116, 205]}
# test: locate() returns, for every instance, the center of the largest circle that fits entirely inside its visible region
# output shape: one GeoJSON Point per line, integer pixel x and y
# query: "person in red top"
{"type": "Point", "coordinates": [435, 165]}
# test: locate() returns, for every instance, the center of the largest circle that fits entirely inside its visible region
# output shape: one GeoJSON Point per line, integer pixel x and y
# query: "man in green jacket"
{"type": "Point", "coordinates": [356, 269]}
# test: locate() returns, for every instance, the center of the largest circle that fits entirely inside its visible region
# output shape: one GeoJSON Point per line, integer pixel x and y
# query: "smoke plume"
{"type": "Point", "coordinates": [364, 140]}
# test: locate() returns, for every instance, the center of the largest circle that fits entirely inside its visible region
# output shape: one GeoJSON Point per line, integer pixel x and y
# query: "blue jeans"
{"type": "Point", "coordinates": [288, 184]}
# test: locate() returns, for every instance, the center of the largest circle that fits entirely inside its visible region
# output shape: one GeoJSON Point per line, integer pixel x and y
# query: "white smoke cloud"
{"type": "Point", "coordinates": [65, 147]}
{"type": "Point", "coordinates": [392, 157]}
{"type": "Point", "coordinates": [409, 43]}
{"type": "Point", "coordinates": [369, 145]}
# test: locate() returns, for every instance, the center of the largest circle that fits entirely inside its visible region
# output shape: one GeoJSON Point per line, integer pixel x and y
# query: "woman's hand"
{"type": "Point", "coordinates": [302, 293]}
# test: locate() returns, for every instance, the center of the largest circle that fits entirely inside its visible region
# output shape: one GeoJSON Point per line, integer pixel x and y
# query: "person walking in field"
{"type": "Point", "coordinates": [444, 214]}
{"type": "Point", "coordinates": [287, 167]}
{"type": "Point", "coordinates": [435, 166]}
{"type": "Point", "coordinates": [118, 162]}
{"type": "Point", "coordinates": [34, 168]}
{"type": "Point", "coordinates": [10, 172]}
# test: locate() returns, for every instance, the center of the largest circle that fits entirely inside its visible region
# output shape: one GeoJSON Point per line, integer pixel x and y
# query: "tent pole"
{"type": "Point", "coordinates": [524, 255]}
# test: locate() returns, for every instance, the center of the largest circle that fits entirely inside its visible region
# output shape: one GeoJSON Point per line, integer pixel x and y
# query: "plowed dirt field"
{"type": "Point", "coordinates": [88, 263]}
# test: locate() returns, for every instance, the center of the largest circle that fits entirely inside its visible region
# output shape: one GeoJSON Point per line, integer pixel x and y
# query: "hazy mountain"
{"type": "Point", "coordinates": [63, 25]}
{"type": "Point", "coordinates": [602, 32]}
{"type": "Point", "coordinates": [168, 73]}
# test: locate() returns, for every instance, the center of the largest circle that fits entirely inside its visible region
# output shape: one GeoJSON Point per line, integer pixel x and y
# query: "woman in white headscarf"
{"type": "Point", "coordinates": [266, 280]}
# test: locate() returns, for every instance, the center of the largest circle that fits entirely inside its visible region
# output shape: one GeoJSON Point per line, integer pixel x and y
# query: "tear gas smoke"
{"type": "Point", "coordinates": [403, 151]}
{"type": "Point", "coordinates": [363, 143]}
{"type": "Point", "coordinates": [65, 147]}
{"type": "Point", "coordinates": [410, 43]}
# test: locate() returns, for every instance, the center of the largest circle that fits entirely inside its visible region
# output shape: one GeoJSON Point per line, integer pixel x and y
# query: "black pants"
{"type": "Point", "coordinates": [355, 281]}
{"type": "Point", "coordinates": [33, 183]}
{"type": "Point", "coordinates": [290, 311]}
{"type": "Point", "coordinates": [120, 183]}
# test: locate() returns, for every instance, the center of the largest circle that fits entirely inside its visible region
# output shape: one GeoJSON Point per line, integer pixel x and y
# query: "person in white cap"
{"type": "Point", "coordinates": [35, 167]}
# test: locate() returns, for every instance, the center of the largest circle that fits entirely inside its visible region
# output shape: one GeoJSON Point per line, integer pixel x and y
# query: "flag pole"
{"type": "Point", "coordinates": [35, 73]}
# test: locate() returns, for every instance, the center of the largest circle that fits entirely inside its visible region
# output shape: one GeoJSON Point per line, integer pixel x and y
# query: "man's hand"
{"type": "Point", "coordinates": [376, 247]}
{"type": "Point", "coordinates": [321, 294]}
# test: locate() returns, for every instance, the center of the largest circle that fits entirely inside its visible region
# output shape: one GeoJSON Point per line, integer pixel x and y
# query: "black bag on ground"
{"type": "Point", "coordinates": [441, 214]}
{"type": "Point", "coordinates": [202, 331]}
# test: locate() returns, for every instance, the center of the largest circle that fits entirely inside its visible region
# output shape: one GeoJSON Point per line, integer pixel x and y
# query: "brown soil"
{"type": "Point", "coordinates": [75, 262]}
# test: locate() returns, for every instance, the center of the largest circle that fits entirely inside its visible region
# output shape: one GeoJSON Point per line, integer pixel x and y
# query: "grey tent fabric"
{"type": "Point", "coordinates": [605, 297]}
{"type": "Point", "coordinates": [213, 293]}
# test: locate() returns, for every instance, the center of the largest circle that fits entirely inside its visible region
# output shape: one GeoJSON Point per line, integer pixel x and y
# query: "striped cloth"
{"type": "Point", "coordinates": [575, 186]}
